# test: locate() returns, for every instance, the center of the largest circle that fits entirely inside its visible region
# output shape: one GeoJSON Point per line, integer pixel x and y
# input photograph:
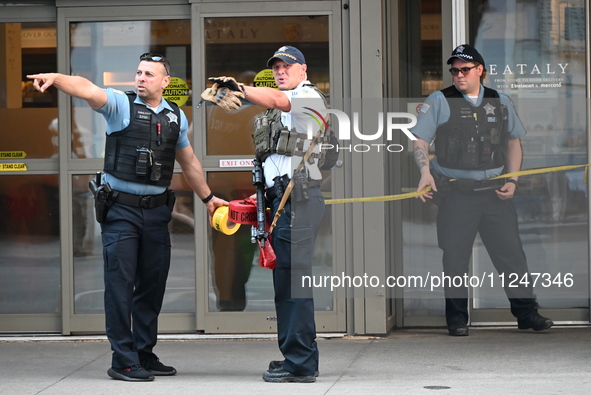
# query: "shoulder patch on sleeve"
{"type": "Point", "coordinates": [117, 91]}
{"type": "Point", "coordinates": [423, 108]}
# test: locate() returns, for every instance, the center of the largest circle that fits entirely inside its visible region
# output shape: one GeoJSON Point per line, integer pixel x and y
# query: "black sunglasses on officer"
{"type": "Point", "coordinates": [465, 70]}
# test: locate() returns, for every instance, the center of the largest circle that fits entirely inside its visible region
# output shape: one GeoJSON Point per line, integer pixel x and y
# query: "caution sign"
{"type": "Point", "coordinates": [12, 154]}
{"type": "Point", "coordinates": [265, 78]}
{"type": "Point", "coordinates": [13, 167]}
{"type": "Point", "coordinates": [177, 91]}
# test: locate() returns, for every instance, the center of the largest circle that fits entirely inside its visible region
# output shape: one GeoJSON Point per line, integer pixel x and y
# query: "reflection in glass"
{"type": "Point", "coordinates": [237, 281]}
{"type": "Point", "coordinates": [421, 255]}
{"type": "Point", "coordinates": [28, 117]}
{"type": "Point", "coordinates": [240, 47]}
{"type": "Point", "coordinates": [29, 204]}
{"type": "Point", "coordinates": [431, 38]}
{"type": "Point", "coordinates": [234, 259]}
{"type": "Point", "coordinates": [180, 287]}
{"type": "Point", "coordinates": [29, 241]}
{"type": "Point", "coordinates": [87, 249]}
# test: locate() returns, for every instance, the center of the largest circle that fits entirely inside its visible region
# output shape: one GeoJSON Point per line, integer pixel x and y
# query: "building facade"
{"type": "Point", "coordinates": [377, 264]}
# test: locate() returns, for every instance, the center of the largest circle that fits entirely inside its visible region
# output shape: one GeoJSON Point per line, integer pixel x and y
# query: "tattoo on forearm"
{"type": "Point", "coordinates": [421, 157]}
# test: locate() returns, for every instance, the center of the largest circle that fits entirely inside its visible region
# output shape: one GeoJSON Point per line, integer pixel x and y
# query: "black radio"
{"type": "Point", "coordinates": [143, 161]}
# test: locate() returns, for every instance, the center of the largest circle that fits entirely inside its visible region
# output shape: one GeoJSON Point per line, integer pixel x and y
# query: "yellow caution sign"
{"type": "Point", "coordinates": [265, 78]}
{"type": "Point", "coordinates": [13, 167]}
{"type": "Point", "coordinates": [177, 91]}
{"type": "Point", "coordinates": [13, 154]}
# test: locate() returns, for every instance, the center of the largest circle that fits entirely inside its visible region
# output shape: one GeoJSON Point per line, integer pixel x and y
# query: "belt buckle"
{"type": "Point", "coordinates": [145, 201]}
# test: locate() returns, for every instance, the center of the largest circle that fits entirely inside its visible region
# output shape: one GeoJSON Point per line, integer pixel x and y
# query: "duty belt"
{"type": "Point", "coordinates": [147, 201]}
{"type": "Point", "coordinates": [271, 192]}
{"type": "Point", "coordinates": [472, 186]}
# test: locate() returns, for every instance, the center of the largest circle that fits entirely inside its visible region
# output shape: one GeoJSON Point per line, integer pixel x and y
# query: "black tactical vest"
{"type": "Point", "coordinates": [474, 138]}
{"type": "Point", "coordinates": [155, 134]}
{"type": "Point", "coordinates": [271, 137]}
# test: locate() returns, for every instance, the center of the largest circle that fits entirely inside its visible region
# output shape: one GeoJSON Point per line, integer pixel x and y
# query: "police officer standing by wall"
{"type": "Point", "coordinates": [145, 134]}
{"type": "Point", "coordinates": [294, 236]}
{"type": "Point", "coordinates": [477, 137]}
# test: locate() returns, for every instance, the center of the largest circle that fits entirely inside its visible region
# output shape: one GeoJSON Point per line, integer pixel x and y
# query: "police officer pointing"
{"type": "Point", "coordinates": [477, 137]}
{"type": "Point", "coordinates": [145, 135]}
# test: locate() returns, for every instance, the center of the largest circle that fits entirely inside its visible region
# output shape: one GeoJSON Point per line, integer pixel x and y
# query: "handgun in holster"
{"type": "Point", "coordinates": [170, 199]}
{"type": "Point", "coordinates": [102, 194]}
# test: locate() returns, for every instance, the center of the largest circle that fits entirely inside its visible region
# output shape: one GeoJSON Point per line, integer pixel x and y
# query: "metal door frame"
{"type": "Point", "coordinates": [93, 323]}
{"type": "Point", "coordinates": [259, 322]}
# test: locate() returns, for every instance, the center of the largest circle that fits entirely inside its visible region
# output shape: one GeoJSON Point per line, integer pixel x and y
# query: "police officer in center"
{"type": "Point", "coordinates": [294, 236]}
{"type": "Point", "coordinates": [145, 134]}
{"type": "Point", "coordinates": [477, 137]}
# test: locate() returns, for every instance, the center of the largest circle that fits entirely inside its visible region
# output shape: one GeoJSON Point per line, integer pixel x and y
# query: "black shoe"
{"type": "Point", "coordinates": [132, 373]}
{"type": "Point", "coordinates": [537, 323]}
{"type": "Point", "coordinates": [283, 376]}
{"type": "Point", "coordinates": [274, 365]}
{"type": "Point", "coordinates": [152, 363]}
{"type": "Point", "coordinates": [458, 329]}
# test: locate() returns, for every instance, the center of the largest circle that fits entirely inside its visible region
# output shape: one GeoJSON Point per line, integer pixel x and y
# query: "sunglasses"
{"type": "Point", "coordinates": [465, 70]}
{"type": "Point", "coordinates": [150, 57]}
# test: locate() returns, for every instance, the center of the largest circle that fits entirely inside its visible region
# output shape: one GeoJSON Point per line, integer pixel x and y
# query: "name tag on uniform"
{"type": "Point", "coordinates": [145, 115]}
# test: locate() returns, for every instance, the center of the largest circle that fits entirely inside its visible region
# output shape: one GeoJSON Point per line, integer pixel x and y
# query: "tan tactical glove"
{"type": "Point", "coordinates": [228, 82]}
{"type": "Point", "coordinates": [227, 99]}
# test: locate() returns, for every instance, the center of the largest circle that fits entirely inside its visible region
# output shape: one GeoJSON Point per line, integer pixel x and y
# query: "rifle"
{"type": "Point", "coordinates": [259, 233]}
{"type": "Point", "coordinates": [267, 257]}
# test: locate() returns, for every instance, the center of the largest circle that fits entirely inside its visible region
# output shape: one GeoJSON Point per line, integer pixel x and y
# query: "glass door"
{"type": "Point", "coordinates": [239, 293]}
{"type": "Point", "coordinates": [536, 53]}
{"type": "Point", "coordinates": [107, 51]}
{"type": "Point", "coordinates": [30, 299]}
{"type": "Point", "coordinates": [421, 304]}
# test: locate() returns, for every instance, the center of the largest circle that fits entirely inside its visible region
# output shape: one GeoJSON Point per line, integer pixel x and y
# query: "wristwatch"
{"type": "Point", "coordinates": [513, 182]}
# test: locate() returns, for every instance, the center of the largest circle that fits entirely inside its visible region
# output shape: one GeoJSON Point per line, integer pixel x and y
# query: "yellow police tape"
{"type": "Point", "coordinates": [222, 223]}
{"type": "Point", "coordinates": [419, 193]}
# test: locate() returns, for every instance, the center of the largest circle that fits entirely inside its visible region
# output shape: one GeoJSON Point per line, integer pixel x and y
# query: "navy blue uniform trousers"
{"type": "Point", "coordinates": [294, 238]}
{"type": "Point", "coordinates": [459, 218]}
{"type": "Point", "coordinates": [136, 252]}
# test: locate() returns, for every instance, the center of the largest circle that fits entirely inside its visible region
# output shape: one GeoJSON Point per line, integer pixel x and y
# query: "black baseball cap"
{"type": "Point", "coordinates": [467, 53]}
{"type": "Point", "coordinates": [289, 55]}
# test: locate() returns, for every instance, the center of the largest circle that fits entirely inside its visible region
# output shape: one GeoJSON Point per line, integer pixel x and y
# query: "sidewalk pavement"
{"type": "Point", "coordinates": [409, 361]}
